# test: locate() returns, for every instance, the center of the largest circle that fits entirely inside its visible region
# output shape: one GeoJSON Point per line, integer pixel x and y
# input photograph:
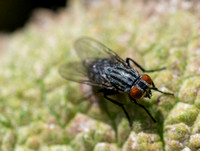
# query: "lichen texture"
{"type": "Point", "coordinates": [40, 111]}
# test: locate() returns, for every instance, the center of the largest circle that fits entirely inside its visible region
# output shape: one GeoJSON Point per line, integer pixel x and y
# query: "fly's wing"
{"type": "Point", "coordinates": [88, 51]}
{"type": "Point", "coordinates": [75, 71]}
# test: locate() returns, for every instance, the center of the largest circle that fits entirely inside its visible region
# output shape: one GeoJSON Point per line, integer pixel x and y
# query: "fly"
{"type": "Point", "coordinates": [99, 66]}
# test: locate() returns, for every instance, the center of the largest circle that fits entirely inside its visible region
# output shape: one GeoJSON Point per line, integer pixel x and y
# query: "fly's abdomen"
{"type": "Point", "coordinates": [121, 78]}
{"type": "Point", "coordinates": [96, 71]}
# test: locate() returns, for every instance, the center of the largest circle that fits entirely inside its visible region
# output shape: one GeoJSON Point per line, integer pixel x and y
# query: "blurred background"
{"type": "Point", "coordinates": [15, 13]}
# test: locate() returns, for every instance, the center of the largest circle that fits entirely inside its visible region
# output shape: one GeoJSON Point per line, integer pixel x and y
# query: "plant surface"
{"type": "Point", "coordinates": [40, 111]}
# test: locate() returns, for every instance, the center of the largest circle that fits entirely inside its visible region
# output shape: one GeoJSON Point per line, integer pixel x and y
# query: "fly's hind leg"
{"type": "Point", "coordinates": [141, 68]}
{"type": "Point", "coordinates": [106, 93]}
{"type": "Point", "coordinates": [120, 105]}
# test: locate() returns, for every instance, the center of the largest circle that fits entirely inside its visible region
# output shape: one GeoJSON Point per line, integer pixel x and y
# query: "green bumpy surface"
{"type": "Point", "coordinates": [40, 111]}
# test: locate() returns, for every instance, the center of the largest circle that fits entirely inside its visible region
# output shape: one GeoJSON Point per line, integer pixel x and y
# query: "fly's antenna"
{"type": "Point", "coordinates": [156, 89]}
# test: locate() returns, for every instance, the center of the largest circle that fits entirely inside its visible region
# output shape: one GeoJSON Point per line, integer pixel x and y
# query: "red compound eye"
{"type": "Point", "coordinates": [135, 93]}
{"type": "Point", "coordinates": [146, 78]}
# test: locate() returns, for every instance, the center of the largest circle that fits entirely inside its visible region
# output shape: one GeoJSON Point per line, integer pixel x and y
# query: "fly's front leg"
{"type": "Point", "coordinates": [142, 106]}
{"type": "Point", "coordinates": [141, 68]}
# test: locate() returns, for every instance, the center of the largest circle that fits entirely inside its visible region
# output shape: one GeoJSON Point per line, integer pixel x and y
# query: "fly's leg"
{"type": "Point", "coordinates": [120, 105]}
{"type": "Point", "coordinates": [106, 93]}
{"type": "Point", "coordinates": [128, 62]}
{"type": "Point", "coordinates": [142, 106]}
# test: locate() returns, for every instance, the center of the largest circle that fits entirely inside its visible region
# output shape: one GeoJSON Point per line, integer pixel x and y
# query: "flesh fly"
{"type": "Point", "coordinates": [100, 67]}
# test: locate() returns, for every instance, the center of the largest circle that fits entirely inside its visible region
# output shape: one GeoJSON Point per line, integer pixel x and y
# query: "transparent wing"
{"type": "Point", "coordinates": [90, 50]}
{"type": "Point", "coordinates": [75, 71]}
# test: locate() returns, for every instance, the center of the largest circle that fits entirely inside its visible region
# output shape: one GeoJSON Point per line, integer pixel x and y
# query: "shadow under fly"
{"type": "Point", "coordinates": [100, 67]}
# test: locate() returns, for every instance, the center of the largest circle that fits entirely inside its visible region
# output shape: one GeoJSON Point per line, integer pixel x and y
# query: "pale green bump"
{"type": "Point", "coordinates": [82, 123]}
{"type": "Point", "coordinates": [194, 142]}
{"type": "Point", "coordinates": [79, 124]}
{"type": "Point", "coordinates": [58, 106]}
{"type": "Point", "coordinates": [189, 89]}
{"type": "Point", "coordinates": [196, 126]}
{"type": "Point", "coordinates": [163, 105]}
{"type": "Point", "coordinates": [52, 134]}
{"type": "Point", "coordinates": [152, 60]}
{"type": "Point", "coordinates": [23, 133]}
{"type": "Point", "coordinates": [149, 141]}
{"type": "Point", "coordinates": [22, 148]}
{"type": "Point", "coordinates": [173, 145]}
{"type": "Point", "coordinates": [182, 113]}
{"type": "Point", "coordinates": [88, 139]}
{"type": "Point", "coordinates": [56, 148]}
{"type": "Point", "coordinates": [3, 130]}
{"type": "Point", "coordinates": [176, 136]}
{"type": "Point", "coordinates": [167, 80]}
{"type": "Point", "coordinates": [106, 147]}
{"type": "Point", "coordinates": [123, 131]}
{"type": "Point", "coordinates": [83, 141]}
{"type": "Point", "coordinates": [197, 100]}
{"type": "Point", "coordinates": [86, 132]}
{"type": "Point", "coordinates": [104, 133]}
{"type": "Point", "coordinates": [32, 94]}
{"type": "Point", "coordinates": [52, 80]}
{"type": "Point", "coordinates": [193, 62]}
{"type": "Point", "coordinates": [8, 141]}
{"type": "Point", "coordinates": [131, 143]}
{"type": "Point", "coordinates": [176, 61]}
{"type": "Point", "coordinates": [26, 132]}
{"type": "Point", "coordinates": [186, 149]}
{"type": "Point", "coordinates": [143, 142]}
{"type": "Point", "coordinates": [5, 121]}
{"type": "Point", "coordinates": [60, 148]}
{"type": "Point", "coordinates": [33, 142]}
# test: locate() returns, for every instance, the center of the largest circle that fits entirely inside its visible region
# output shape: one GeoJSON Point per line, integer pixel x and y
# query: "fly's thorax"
{"type": "Point", "coordinates": [121, 78]}
{"type": "Point", "coordinates": [141, 87]}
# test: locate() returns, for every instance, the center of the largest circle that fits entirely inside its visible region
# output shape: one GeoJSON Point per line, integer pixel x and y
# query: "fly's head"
{"type": "Point", "coordinates": [142, 87]}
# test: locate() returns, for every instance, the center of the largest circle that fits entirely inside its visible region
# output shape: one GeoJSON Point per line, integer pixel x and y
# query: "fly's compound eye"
{"type": "Point", "coordinates": [135, 92]}
{"type": "Point", "coordinates": [146, 78]}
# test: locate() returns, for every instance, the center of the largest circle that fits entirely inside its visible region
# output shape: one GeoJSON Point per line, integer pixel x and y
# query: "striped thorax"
{"type": "Point", "coordinates": [129, 80]}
